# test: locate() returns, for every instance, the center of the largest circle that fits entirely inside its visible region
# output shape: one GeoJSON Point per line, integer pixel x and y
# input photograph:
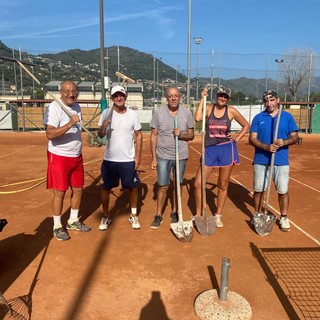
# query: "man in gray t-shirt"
{"type": "Point", "coordinates": [162, 144]}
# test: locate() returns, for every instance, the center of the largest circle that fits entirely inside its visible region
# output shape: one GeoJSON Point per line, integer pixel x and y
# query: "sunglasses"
{"type": "Point", "coordinates": [68, 92]}
{"type": "Point", "coordinates": [222, 95]}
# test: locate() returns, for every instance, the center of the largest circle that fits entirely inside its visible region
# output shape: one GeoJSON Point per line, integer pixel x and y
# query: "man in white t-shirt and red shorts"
{"type": "Point", "coordinates": [65, 163]}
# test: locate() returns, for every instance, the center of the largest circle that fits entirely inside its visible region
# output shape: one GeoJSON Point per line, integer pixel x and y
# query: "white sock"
{"type": "Point", "coordinates": [134, 211]}
{"type": "Point", "coordinates": [57, 222]}
{"type": "Point", "coordinates": [73, 215]}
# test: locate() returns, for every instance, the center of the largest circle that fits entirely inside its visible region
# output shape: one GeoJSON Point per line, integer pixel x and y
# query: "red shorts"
{"type": "Point", "coordinates": [64, 172]}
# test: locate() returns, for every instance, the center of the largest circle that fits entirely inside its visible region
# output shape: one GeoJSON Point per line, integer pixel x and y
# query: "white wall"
{"type": "Point", "coordinates": [248, 113]}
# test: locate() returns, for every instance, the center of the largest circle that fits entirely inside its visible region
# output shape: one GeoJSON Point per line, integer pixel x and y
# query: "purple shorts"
{"type": "Point", "coordinates": [222, 155]}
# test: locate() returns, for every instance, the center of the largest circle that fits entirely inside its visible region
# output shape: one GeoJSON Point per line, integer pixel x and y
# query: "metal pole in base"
{"type": "Point", "coordinates": [224, 279]}
{"type": "Point", "coordinates": [209, 305]}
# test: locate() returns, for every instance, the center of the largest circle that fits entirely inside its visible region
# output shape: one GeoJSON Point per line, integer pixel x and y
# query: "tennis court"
{"type": "Point", "coordinates": [148, 274]}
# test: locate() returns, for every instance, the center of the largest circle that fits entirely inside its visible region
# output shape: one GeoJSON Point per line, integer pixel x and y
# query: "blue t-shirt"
{"type": "Point", "coordinates": [264, 125]}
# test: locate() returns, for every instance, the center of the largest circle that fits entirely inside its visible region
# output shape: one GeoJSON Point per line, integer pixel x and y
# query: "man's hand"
{"type": "Point", "coordinates": [154, 164]}
{"type": "Point", "coordinates": [74, 119]}
{"type": "Point", "coordinates": [273, 147]}
{"type": "Point", "coordinates": [279, 142]}
{"type": "Point", "coordinates": [137, 162]}
{"type": "Point", "coordinates": [177, 132]}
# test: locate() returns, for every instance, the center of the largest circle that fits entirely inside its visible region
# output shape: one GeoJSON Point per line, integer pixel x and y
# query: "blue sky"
{"type": "Point", "coordinates": [161, 26]}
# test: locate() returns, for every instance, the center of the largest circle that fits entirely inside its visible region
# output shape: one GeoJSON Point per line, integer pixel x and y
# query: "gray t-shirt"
{"type": "Point", "coordinates": [164, 123]}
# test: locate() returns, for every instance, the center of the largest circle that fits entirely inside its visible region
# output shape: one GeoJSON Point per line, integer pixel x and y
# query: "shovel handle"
{"type": "Point", "coordinates": [272, 162]}
{"type": "Point", "coordinates": [178, 172]}
{"type": "Point", "coordinates": [203, 178]}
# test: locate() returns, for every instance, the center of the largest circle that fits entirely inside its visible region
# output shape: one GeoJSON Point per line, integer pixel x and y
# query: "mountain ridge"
{"type": "Point", "coordinates": [82, 65]}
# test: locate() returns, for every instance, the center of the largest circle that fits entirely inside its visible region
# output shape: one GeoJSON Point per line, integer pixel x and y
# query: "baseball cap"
{"type": "Point", "coordinates": [270, 92]}
{"type": "Point", "coordinates": [224, 90]}
{"type": "Point", "coordinates": [117, 89]}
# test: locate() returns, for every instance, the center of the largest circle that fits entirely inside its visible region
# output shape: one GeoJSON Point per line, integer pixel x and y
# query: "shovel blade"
{"type": "Point", "coordinates": [263, 223]}
{"type": "Point", "coordinates": [183, 230]}
{"type": "Point", "coordinates": [205, 225]}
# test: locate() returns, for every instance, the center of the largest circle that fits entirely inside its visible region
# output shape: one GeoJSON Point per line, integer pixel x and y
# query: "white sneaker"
{"type": "Point", "coordinates": [134, 220]}
{"type": "Point", "coordinates": [219, 222]}
{"type": "Point", "coordinates": [284, 224]}
{"type": "Point", "coordinates": [105, 222]}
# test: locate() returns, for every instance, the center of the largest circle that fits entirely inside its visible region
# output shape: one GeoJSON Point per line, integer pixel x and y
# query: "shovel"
{"type": "Point", "coordinates": [205, 225]}
{"type": "Point", "coordinates": [264, 222]}
{"type": "Point", "coordinates": [183, 230]}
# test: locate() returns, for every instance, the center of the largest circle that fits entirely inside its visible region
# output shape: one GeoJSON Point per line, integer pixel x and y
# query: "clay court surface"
{"type": "Point", "coordinates": [147, 274]}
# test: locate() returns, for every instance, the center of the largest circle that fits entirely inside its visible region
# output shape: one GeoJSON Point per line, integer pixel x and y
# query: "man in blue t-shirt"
{"type": "Point", "coordinates": [262, 138]}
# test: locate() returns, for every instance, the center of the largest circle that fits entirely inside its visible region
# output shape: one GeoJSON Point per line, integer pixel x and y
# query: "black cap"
{"type": "Point", "coordinates": [270, 92]}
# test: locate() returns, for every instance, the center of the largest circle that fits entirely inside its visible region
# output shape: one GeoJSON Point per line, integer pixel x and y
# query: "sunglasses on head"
{"type": "Point", "coordinates": [223, 95]}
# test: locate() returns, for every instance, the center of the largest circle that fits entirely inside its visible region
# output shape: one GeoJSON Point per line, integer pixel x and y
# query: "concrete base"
{"type": "Point", "coordinates": [208, 306]}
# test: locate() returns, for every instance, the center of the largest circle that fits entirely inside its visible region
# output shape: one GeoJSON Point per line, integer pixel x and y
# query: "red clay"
{"type": "Point", "coordinates": [145, 274]}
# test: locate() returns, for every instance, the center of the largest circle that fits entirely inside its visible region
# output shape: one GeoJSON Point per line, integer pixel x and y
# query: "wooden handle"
{"type": "Point", "coordinates": [124, 78]}
{"type": "Point", "coordinates": [203, 179]}
{"type": "Point", "coordinates": [53, 97]}
{"type": "Point", "coordinates": [178, 172]}
{"type": "Point", "coordinates": [272, 162]}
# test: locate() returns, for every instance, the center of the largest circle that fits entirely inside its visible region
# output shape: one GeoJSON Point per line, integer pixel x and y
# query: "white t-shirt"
{"type": "Point", "coordinates": [120, 135]}
{"type": "Point", "coordinates": [70, 144]}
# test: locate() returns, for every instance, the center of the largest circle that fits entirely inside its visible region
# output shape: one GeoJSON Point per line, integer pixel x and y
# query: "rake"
{"type": "Point", "coordinates": [94, 139]}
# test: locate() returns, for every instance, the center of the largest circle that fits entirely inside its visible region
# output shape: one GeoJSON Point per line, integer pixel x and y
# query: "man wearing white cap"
{"type": "Point", "coordinates": [122, 154]}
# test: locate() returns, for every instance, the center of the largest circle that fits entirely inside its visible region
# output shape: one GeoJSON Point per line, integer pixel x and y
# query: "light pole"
{"type": "Point", "coordinates": [158, 81]}
{"type": "Point", "coordinates": [102, 55]}
{"type": "Point", "coordinates": [176, 67]}
{"type": "Point", "coordinates": [197, 41]}
{"type": "Point", "coordinates": [278, 61]}
{"type": "Point", "coordinates": [189, 55]}
{"type": "Point", "coordinates": [33, 95]}
{"type": "Point", "coordinates": [107, 58]}
{"type": "Point", "coordinates": [154, 80]}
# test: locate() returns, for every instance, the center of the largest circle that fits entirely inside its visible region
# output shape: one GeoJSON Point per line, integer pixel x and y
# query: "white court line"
{"type": "Point", "coordinates": [275, 210]}
{"type": "Point", "coordinates": [295, 180]}
{"type": "Point", "coordinates": [316, 190]}
{"type": "Point", "coordinates": [8, 154]}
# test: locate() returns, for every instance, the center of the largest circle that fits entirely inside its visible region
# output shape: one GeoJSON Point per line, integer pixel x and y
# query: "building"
{"type": "Point", "coordinates": [92, 91]}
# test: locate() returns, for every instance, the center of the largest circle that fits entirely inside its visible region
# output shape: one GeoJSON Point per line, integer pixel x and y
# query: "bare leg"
{"type": "Point", "coordinates": [57, 202]}
{"type": "Point", "coordinates": [134, 197]}
{"type": "Point", "coordinates": [105, 198]}
{"type": "Point", "coordinates": [223, 183]}
{"type": "Point", "coordinates": [258, 201]}
{"type": "Point", "coordinates": [76, 198]}
{"type": "Point", "coordinates": [162, 193]}
{"type": "Point", "coordinates": [198, 187]}
{"type": "Point", "coordinates": [283, 200]}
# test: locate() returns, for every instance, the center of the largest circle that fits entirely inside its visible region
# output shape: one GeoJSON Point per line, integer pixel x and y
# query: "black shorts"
{"type": "Point", "coordinates": [112, 172]}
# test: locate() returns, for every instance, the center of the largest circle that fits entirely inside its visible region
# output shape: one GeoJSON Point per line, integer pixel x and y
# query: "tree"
{"type": "Point", "coordinates": [296, 68]}
{"type": "Point", "coordinates": [238, 98]}
{"type": "Point", "coordinates": [314, 96]}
